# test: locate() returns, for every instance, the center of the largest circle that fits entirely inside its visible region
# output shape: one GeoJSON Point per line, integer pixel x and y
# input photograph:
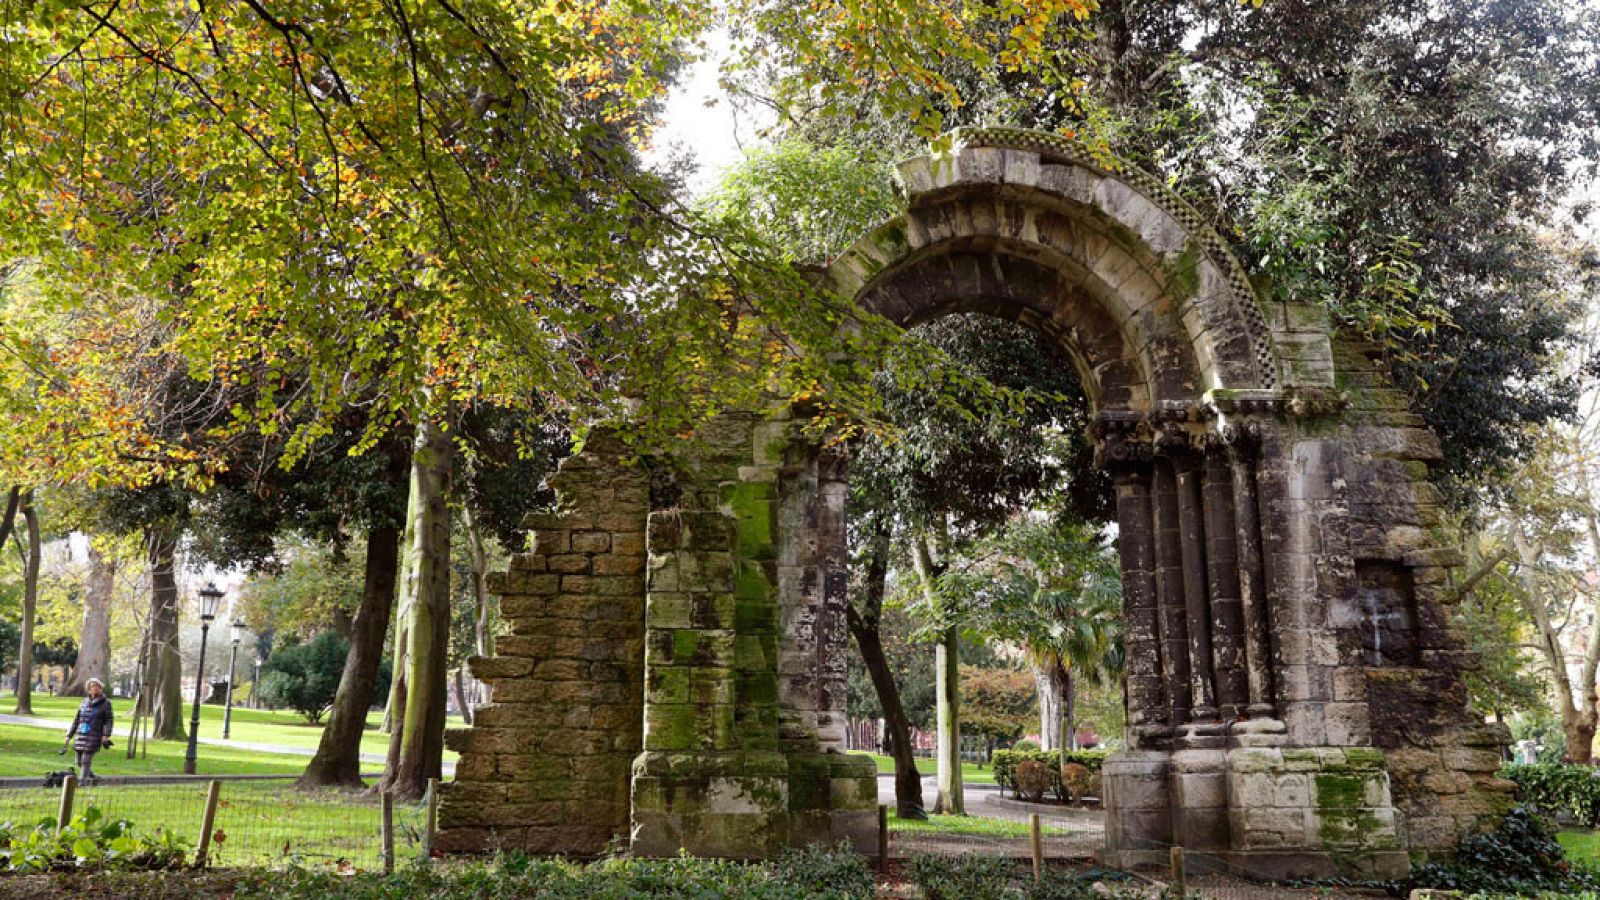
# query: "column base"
{"type": "Point", "coordinates": [1273, 812]}
{"type": "Point", "coordinates": [751, 805]}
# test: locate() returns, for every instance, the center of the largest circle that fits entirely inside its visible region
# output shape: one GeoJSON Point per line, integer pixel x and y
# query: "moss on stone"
{"type": "Point", "coordinates": [752, 505]}
{"type": "Point", "coordinates": [1183, 274]}
{"type": "Point", "coordinates": [1337, 791]}
{"type": "Point", "coordinates": [750, 583]}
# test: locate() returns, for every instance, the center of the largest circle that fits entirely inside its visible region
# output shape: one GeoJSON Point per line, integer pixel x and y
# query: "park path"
{"type": "Point", "coordinates": [377, 758]}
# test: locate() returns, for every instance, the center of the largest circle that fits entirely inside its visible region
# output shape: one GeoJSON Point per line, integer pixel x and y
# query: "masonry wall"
{"type": "Point", "coordinates": [545, 766]}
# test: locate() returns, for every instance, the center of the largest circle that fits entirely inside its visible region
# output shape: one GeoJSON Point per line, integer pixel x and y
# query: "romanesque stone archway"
{"type": "Point", "coordinates": [676, 675]}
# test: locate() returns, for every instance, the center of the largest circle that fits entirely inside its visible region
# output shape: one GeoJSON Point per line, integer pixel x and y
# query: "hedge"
{"type": "Point", "coordinates": [1559, 788]}
{"type": "Point", "coordinates": [1005, 763]}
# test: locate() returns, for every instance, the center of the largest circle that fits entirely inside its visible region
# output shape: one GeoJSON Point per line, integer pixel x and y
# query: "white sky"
{"type": "Point", "coordinates": [699, 122]}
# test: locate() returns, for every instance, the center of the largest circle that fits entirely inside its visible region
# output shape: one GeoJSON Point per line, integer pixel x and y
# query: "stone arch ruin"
{"type": "Point", "coordinates": [674, 676]}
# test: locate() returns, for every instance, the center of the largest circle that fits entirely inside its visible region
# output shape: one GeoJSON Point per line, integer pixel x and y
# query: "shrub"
{"type": "Point", "coordinates": [89, 841]}
{"type": "Point", "coordinates": [1559, 787]}
{"type": "Point", "coordinates": [970, 877]}
{"type": "Point", "coordinates": [835, 873]}
{"type": "Point", "coordinates": [816, 873]}
{"type": "Point", "coordinates": [1032, 779]}
{"type": "Point", "coordinates": [1075, 779]}
{"type": "Point", "coordinates": [305, 677]}
{"type": "Point", "coordinates": [1025, 745]}
{"type": "Point", "coordinates": [1005, 764]}
{"type": "Point", "coordinates": [1520, 857]}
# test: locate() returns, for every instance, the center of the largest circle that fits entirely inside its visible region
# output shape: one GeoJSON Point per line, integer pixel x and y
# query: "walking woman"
{"type": "Point", "coordinates": [91, 729]}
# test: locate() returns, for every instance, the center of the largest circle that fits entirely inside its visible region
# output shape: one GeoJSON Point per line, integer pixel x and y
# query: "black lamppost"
{"type": "Point", "coordinates": [209, 598]}
{"type": "Point", "coordinates": [233, 665]}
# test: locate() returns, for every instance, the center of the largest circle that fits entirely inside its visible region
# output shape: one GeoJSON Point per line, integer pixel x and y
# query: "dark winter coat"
{"type": "Point", "coordinates": [91, 727]}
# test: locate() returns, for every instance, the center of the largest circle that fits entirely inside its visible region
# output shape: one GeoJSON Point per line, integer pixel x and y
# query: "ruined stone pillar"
{"type": "Point", "coordinates": [744, 658]}
{"type": "Point", "coordinates": [1172, 614]}
{"type": "Point", "coordinates": [1197, 612]}
{"type": "Point", "coordinates": [1147, 697]}
{"type": "Point", "coordinates": [1252, 580]}
{"type": "Point", "coordinates": [1222, 573]}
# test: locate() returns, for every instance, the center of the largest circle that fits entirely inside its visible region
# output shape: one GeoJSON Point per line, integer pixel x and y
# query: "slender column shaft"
{"type": "Point", "coordinates": [1252, 583]}
{"type": "Point", "coordinates": [1222, 573]}
{"type": "Point", "coordinates": [1197, 606]}
{"type": "Point", "coordinates": [1171, 620]}
{"type": "Point", "coordinates": [1147, 695]}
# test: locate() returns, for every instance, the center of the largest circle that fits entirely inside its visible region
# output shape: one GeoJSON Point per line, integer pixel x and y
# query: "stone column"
{"type": "Point", "coordinates": [1197, 612]}
{"type": "Point", "coordinates": [1222, 573]}
{"type": "Point", "coordinates": [1252, 579]}
{"type": "Point", "coordinates": [1147, 697]}
{"type": "Point", "coordinates": [1172, 615]}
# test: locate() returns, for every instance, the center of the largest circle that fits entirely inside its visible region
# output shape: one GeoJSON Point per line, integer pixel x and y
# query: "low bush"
{"type": "Point", "coordinates": [816, 873]}
{"type": "Point", "coordinates": [1032, 779]}
{"type": "Point", "coordinates": [973, 877]}
{"type": "Point", "coordinates": [1520, 857]}
{"type": "Point", "coordinates": [90, 841]}
{"type": "Point", "coordinates": [1006, 761]}
{"type": "Point", "coordinates": [1075, 779]}
{"type": "Point", "coordinates": [1559, 788]}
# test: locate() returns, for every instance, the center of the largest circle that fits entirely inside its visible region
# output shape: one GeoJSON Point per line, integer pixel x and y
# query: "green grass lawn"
{"type": "Point", "coordinates": [1581, 846]}
{"type": "Point", "coordinates": [32, 751]}
{"type": "Point", "coordinates": [975, 825]}
{"type": "Point", "coordinates": [926, 765]}
{"type": "Point", "coordinates": [254, 726]}
{"type": "Point", "coordinates": [256, 823]}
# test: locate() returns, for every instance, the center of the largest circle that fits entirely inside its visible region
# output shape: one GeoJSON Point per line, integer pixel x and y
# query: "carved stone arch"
{"type": "Point", "coordinates": [675, 671]}
{"type": "Point", "coordinates": [1163, 284]}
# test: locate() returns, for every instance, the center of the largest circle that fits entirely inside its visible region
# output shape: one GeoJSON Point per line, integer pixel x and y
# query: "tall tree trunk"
{"type": "Point", "coordinates": [416, 744]}
{"type": "Point", "coordinates": [1577, 724]}
{"type": "Point", "coordinates": [30, 606]}
{"type": "Point", "coordinates": [461, 696]}
{"type": "Point", "coordinates": [338, 758]}
{"type": "Point", "coordinates": [897, 727]}
{"type": "Point", "coordinates": [1047, 683]}
{"type": "Point", "coordinates": [165, 671]}
{"type": "Point", "coordinates": [94, 640]}
{"type": "Point", "coordinates": [866, 628]}
{"type": "Point", "coordinates": [1069, 711]}
{"type": "Point", "coordinates": [947, 689]}
{"type": "Point", "coordinates": [949, 799]}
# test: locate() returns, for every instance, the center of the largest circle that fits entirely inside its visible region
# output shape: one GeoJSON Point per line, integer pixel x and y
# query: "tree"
{"type": "Point", "coordinates": [417, 701]}
{"type": "Point", "coordinates": [1000, 703]}
{"type": "Point", "coordinates": [961, 464]}
{"type": "Point", "coordinates": [94, 640]}
{"type": "Point", "coordinates": [305, 676]}
{"type": "Point", "coordinates": [30, 553]}
{"type": "Point", "coordinates": [1051, 587]}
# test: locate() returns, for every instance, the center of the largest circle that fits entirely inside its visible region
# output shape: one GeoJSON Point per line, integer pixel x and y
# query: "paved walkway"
{"type": "Point", "coordinates": [366, 758]}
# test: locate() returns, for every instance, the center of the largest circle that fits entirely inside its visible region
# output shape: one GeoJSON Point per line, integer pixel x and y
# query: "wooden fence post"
{"type": "Point", "coordinates": [386, 800]}
{"type": "Point", "coordinates": [1037, 841]}
{"type": "Point", "coordinates": [883, 839]}
{"type": "Point", "coordinates": [207, 820]}
{"type": "Point", "coordinates": [1180, 876]}
{"type": "Point", "coordinates": [433, 818]}
{"type": "Point", "coordinates": [69, 786]}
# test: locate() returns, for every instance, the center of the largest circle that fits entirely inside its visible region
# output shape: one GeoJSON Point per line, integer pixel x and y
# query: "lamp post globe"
{"type": "Point", "coordinates": [210, 598]}
{"type": "Point", "coordinates": [234, 630]}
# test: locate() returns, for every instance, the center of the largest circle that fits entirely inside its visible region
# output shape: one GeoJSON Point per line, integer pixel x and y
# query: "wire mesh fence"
{"type": "Point", "coordinates": [256, 822]}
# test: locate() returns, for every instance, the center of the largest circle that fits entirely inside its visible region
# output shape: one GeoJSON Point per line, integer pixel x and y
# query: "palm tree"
{"type": "Point", "coordinates": [1057, 595]}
